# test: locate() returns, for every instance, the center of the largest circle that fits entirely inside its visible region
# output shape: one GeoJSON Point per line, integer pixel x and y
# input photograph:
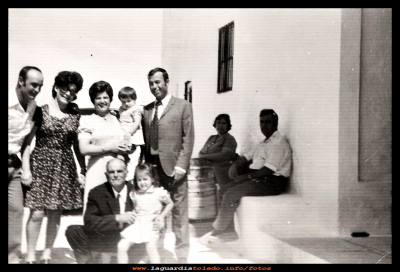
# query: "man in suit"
{"type": "Point", "coordinates": [169, 138]}
{"type": "Point", "coordinates": [106, 215]}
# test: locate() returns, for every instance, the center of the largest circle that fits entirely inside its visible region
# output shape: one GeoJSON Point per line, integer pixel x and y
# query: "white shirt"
{"type": "Point", "coordinates": [161, 108]}
{"type": "Point", "coordinates": [122, 199]}
{"type": "Point", "coordinates": [19, 123]}
{"type": "Point", "coordinates": [274, 153]}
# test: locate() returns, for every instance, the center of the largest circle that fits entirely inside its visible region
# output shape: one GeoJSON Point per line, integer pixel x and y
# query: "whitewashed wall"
{"type": "Point", "coordinates": [285, 59]}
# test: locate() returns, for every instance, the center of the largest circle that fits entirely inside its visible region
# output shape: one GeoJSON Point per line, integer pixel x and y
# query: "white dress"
{"type": "Point", "coordinates": [100, 131]}
{"type": "Point", "coordinates": [147, 205]}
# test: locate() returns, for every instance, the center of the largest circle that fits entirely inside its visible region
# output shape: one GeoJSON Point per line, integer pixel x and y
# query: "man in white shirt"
{"type": "Point", "coordinates": [262, 172]}
{"type": "Point", "coordinates": [21, 107]}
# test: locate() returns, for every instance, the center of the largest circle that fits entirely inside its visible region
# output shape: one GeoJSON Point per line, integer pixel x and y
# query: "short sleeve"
{"type": "Point", "coordinates": [276, 155]}
{"type": "Point", "coordinates": [132, 196]}
{"type": "Point", "coordinates": [163, 195]}
{"type": "Point", "coordinates": [136, 112]}
{"type": "Point", "coordinates": [85, 127]}
{"type": "Point", "coordinates": [230, 143]}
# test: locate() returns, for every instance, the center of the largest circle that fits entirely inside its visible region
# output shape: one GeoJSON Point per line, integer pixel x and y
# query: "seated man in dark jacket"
{"type": "Point", "coordinates": [105, 217]}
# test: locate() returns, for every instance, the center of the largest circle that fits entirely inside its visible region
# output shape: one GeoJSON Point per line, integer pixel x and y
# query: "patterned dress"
{"type": "Point", "coordinates": [55, 184]}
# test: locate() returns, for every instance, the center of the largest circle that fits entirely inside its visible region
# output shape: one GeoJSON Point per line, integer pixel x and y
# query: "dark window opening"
{"type": "Point", "coordinates": [225, 58]}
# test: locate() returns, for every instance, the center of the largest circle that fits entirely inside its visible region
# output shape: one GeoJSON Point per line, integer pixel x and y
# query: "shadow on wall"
{"type": "Point", "coordinates": [292, 187]}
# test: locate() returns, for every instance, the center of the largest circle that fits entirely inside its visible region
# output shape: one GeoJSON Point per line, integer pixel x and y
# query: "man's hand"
{"type": "Point", "coordinates": [241, 178]}
{"type": "Point", "coordinates": [178, 175]}
{"type": "Point", "coordinates": [128, 217]}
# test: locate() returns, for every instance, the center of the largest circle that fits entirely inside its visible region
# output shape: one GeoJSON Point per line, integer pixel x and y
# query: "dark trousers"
{"type": "Point", "coordinates": [87, 253]}
{"type": "Point", "coordinates": [231, 198]}
{"type": "Point", "coordinates": [15, 209]}
{"type": "Point", "coordinates": [180, 212]}
{"type": "Point", "coordinates": [80, 244]}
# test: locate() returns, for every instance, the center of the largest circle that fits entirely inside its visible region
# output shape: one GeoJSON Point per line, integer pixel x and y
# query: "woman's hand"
{"type": "Point", "coordinates": [159, 223]}
{"type": "Point", "coordinates": [113, 148]}
{"type": "Point", "coordinates": [81, 180]}
{"type": "Point", "coordinates": [26, 177]}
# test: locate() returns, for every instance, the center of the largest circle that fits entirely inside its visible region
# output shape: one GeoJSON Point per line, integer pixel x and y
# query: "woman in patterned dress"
{"type": "Point", "coordinates": [50, 169]}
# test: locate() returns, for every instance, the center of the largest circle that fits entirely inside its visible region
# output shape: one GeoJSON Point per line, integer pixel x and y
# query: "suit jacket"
{"type": "Point", "coordinates": [99, 218]}
{"type": "Point", "coordinates": [175, 134]}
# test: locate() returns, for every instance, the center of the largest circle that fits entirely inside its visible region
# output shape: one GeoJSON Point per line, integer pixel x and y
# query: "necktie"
{"type": "Point", "coordinates": [121, 208]}
{"type": "Point", "coordinates": [154, 128]}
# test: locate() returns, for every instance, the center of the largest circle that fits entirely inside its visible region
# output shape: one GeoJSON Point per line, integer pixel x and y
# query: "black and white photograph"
{"type": "Point", "coordinates": [193, 138]}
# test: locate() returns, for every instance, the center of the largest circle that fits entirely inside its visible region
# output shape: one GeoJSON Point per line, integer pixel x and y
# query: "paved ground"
{"type": "Point", "coordinates": [229, 250]}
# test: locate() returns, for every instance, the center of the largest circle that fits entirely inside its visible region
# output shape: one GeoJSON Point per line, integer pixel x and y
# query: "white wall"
{"type": "Point", "coordinates": [285, 59]}
{"type": "Point", "coordinates": [116, 45]}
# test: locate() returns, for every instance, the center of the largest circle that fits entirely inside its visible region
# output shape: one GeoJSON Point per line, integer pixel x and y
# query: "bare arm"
{"type": "Point", "coordinates": [220, 156]}
{"type": "Point", "coordinates": [168, 208]}
{"type": "Point", "coordinates": [79, 156]}
{"type": "Point", "coordinates": [26, 154]}
{"type": "Point", "coordinates": [89, 149]}
{"type": "Point", "coordinates": [136, 124]}
{"type": "Point", "coordinates": [159, 221]}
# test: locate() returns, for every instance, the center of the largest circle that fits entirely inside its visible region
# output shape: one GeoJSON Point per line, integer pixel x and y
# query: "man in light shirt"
{"type": "Point", "coordinates": [262, 172]}
{"type": "Point", "coordinates": [21, 107]}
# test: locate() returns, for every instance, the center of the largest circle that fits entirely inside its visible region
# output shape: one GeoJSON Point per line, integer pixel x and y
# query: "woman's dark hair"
{"type": "Point", "coordinates": [127, 92]}
{"type": "Point", "coordinates": [99, 87]}
{"type": "Point", "coordinates": [150, 170]}
{"type": "Point", "coordinates": [158, 69]}
{"type": "Point", "coordinates": [227, 120]}
{"type": "Point", "coordinates": [272, 112]}
{"type": "Point", "coordinates": [64, 78]}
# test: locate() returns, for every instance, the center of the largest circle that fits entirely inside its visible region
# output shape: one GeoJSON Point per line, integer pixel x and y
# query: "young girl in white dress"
{"type": "Point", "coordinates": [152, 204]}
